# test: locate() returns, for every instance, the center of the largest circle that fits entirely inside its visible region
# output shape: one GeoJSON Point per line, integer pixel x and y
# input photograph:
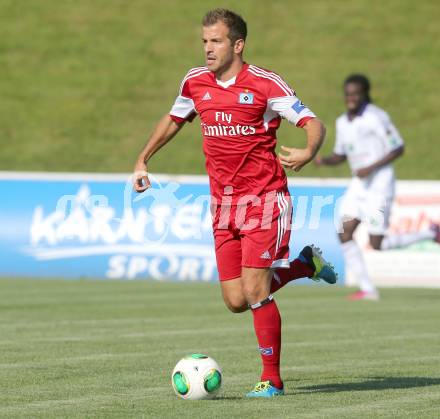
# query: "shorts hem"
{"type": "Point", "coordinates": [229, 278]}
{"type": "Point", "coordinates": [254, 265]}
{"type": "Point", "coordinates": [281, 263]}
{"type": "Point", "coordinates": [374, 232]}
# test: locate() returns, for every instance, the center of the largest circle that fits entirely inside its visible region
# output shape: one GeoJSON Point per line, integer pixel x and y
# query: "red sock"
{"type": "Point", "coordinates": [298, 269]}
{"type": "Point", "coordinates": [267, 324]}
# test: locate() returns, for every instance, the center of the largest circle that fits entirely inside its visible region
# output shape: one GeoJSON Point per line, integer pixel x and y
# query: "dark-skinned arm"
{"type": "Point", "coordinates": [330, 160]}
{"type": "Point", "coordinates": [390, 157]}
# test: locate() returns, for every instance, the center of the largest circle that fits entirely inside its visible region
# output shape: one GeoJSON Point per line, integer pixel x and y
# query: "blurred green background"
{"type": "Point", "coordinates": [82, 83]}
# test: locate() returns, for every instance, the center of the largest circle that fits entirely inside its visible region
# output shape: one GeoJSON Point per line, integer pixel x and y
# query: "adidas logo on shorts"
{"type": "Point", "coordinates": [265, 255]}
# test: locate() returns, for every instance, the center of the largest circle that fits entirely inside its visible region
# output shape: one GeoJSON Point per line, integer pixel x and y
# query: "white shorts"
{"type": "Point", "coordinates": [370, 207]}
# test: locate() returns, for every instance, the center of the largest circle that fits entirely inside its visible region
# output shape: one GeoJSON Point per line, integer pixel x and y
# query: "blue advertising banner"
{"type": "Point", "coordinates": [95, 226]}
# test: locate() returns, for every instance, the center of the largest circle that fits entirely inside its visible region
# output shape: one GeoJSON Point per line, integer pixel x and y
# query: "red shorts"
{"type": "Point", "coordinates": [255, 234]}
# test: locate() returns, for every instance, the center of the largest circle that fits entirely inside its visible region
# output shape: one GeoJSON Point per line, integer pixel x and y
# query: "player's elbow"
{"type": "Point", "coordinates": [321, 130]}
{"type": "Point", "coordinates": [316, 125]}
{"type": "Point", "coordinates": [398, 152]}
{"type": "Point", "coordinates": [338, 158]}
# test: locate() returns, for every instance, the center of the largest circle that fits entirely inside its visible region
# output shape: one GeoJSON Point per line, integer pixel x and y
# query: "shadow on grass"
{"type": "Point", "coordinates": [371, 383]}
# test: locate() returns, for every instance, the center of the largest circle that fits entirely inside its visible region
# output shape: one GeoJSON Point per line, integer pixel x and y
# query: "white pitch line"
{"type": "Point", "coordinates": [190, 332]}
{"type": "Point", "coordinates": [107, 356]}
{"type": "Point", "coordinates": [149, 333]}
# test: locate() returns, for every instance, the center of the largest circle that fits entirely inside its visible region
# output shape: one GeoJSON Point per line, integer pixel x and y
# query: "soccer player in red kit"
{"type": "Point", "coordinates": [240, 108]}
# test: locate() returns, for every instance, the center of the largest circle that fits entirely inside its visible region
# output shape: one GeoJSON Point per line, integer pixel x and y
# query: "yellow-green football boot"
{"type": "Point", "coordinates": [312, 255]}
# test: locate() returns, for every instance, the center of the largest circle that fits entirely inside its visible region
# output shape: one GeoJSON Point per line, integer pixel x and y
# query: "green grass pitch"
{"type": "Point", "coordinates": [102, 349]}
{"type": "Point", "coordinates": [83, 82]}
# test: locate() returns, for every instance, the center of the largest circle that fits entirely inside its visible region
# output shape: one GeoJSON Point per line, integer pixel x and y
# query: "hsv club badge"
{"type": "Point", "coordinates": [246, 98]}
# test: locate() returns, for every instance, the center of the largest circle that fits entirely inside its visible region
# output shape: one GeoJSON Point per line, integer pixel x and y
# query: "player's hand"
{"type": "Point", "coordinates": [140, 178]}
{"type": "Point", "coordinates": [296, 158]}
{"type": "Point", "coordinates": [365, 171]}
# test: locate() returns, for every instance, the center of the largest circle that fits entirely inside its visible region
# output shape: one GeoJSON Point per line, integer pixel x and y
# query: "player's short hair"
{"type": "Point", "coordinates": [236, 24]}
{"type": "Point", "coordinates": [362, 81]}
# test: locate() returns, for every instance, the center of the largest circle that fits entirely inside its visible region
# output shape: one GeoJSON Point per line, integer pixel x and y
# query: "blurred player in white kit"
{"type": "Point", "coordinates": [368, 139]}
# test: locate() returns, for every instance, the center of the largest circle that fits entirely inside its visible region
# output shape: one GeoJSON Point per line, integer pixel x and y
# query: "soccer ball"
{"type": "Point", "coordinates": [196, 377]}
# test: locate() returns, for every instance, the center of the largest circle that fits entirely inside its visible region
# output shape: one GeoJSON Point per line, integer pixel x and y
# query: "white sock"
{"type": "Point", "coordinates": [355, 262]}
{"type": "Point", "coordinates": [400, 240]}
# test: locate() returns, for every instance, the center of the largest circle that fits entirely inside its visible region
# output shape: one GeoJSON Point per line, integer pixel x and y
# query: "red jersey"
{"type": "Point", "coordinates": [239, 119]}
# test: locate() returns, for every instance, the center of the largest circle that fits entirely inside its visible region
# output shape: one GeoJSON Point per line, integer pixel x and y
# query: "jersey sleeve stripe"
{"type": "Point", "coordinates": [287, 92]}
{"type": "Point", "coordinates": [272, 79]}
{"type": "Point", "coordinates": [190, 75]}
{"type": "Point", "coordinates": [273, 76]}
{"type": "Point", "coordinates": [277, 77]}
{"type": "Point", "coordinates": [278, 81]}
{"type": "Point", "coordinates": [199, 68]}
{"type": "Point", "coordinates": [195, 70]}
{"type": "Point", "coordinates": [269, 77]}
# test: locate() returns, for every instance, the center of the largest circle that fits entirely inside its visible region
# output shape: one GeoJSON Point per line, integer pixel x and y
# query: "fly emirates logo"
{"type": "Point", "coordinates": [225, 128]}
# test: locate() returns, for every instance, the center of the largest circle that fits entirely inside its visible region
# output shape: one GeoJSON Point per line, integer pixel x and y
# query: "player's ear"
{"type": "Point", "coordinates": [239, 46]}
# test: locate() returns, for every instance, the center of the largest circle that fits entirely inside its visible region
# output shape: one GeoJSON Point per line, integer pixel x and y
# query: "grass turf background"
{"type": "Point", "coordinates": [106, 349]}
{"type": "Point", "coordinates": [82, 83]}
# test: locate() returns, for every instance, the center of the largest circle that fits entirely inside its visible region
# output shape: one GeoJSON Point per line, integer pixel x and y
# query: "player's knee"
{"type": "Point", "coordinates": [253, 291]}
{"type": "Point", "coordinates": [376, 244]}
{"type": "Point", "coordinates": [237, 308]}
{"type": "Point", "coordinates": [236, 305]}
{"type": "Point", "coordinates": [345, 237]}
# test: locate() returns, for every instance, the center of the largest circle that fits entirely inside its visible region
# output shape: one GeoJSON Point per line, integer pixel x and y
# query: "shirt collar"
{"type": "Point", "coordinates": [360, 112]}
{"type": "Point", "coordinates": [234, 79]}
{"type": "Point", "coordinates": [226, 83]}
